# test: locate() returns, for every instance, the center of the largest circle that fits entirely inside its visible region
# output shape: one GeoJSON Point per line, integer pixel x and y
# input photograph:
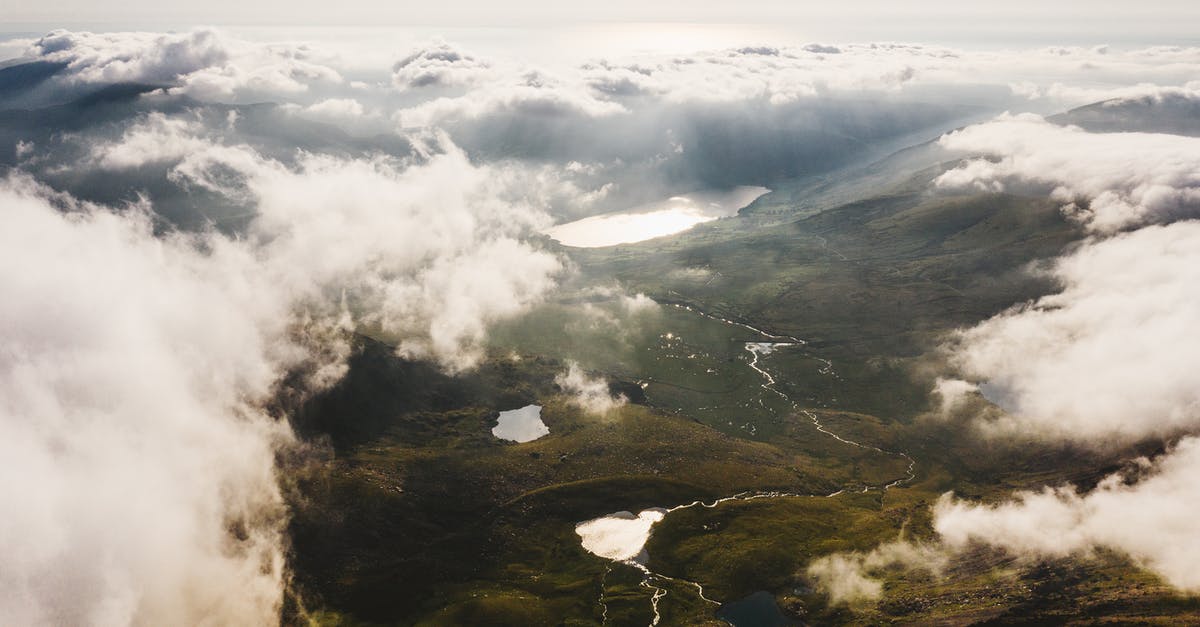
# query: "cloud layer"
{"type": "Point", "coordinates": [136, 366]}
{"type": "Point", "coordinates": [130, 386]}
{"type": "Point", "coordinates": [1152, 519]}
{"type": "Point", "coordinates": [619, 131]}
{"type": "Point", "coordinates": [204, 63]}
{"type": "Point", "coordinates": [1107, 361]}
{"type": "Point", "coordinates": [1108, 181]}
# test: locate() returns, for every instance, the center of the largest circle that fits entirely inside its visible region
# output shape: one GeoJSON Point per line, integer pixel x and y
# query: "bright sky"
{"type": "Point", "coordinates": [944, 21]}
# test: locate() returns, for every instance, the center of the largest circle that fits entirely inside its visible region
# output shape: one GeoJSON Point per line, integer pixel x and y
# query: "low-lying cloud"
{"type": "Point", "coordinates": [1109, 181]}
{"type": "Point", "coordinates": [136, 367]}
{"type": "Point", "coordinates": [851, 578]}
{"type": "Point", "coordinates": [1103, 361]}
{"type": "Point", "coordinates": [1152, 519]}
{"type": "Point", "coordinates": [1107, 361]}
{"type": "Point", "coordinates": [142, 485]}
{"type": "Point", "coordinates": [590, 394]}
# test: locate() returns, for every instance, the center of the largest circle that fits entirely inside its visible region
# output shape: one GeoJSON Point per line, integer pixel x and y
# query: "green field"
{"type": "Point", "coordinates": [415, 514]}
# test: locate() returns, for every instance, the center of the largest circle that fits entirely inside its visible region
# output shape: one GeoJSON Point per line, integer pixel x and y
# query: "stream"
{"type": "Point", "coordinates": [622, 536]}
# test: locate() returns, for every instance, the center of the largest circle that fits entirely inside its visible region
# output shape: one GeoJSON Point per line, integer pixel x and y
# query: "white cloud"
{"type": "Point", "coordinates": [590, 394]}
{"type": "Point", "coordinates": [135, 367]}
{"type": "Point", "coordinates": [348, 114]}
{"type": "Point", "coordinates": [852, 577]}
{"type": "Point", "coordinates": [202, 63]}
{"type": "Point", "coordinates": [1109, 359]}
{"type": "Point", "coordinates": [438, 65]}
{"type": "Point", "coordinates": [1106, 362]}
{"type": "Point", "coordinates": [952, 393]}
{"type": "Point", "coordinates": [638, 303]}
{"type": "Point", "coordinates": [535, 99]}
{"type": "Point", "coordinates": [130, 386]}
{"type": "Point", "coordinates": [1060, 76]}
{"type": "Point", "coordinates": [1126, 179]}
{"type": "Point", "coordinates": [1152, 520]}
{"type": "Point", "coordinates": [429, 252]}
{"type": "Point", "coordinates": [213, 65]}
{"type": "Point", "coordinates": [336, 108]}
{"type": "Point", "coordinates": [154, 139]}
{"type": "Point", "coordinates": [841, 576]}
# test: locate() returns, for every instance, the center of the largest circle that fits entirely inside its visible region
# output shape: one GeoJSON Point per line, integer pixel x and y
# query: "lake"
{"type": "Point", "coordinates": [620, 536]}
{"type": "Point", "coordinates": [656, 219]}
{"type": "Point", "coordinates": [521, 425]}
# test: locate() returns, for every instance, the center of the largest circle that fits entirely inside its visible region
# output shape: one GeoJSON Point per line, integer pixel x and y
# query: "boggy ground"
{"type": "Point", "coordinates": [415, 514]}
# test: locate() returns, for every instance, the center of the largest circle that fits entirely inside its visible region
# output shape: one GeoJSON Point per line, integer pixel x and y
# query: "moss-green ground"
{"type": "Point", "coordinates": [415, 514]}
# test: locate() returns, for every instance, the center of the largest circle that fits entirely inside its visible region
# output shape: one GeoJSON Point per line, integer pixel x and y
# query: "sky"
{"type": "Point", "coordinates": [674, 23]}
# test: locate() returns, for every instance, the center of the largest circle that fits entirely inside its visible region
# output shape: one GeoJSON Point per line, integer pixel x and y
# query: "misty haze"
{"type": "Point", "coordinates": [674, 313]}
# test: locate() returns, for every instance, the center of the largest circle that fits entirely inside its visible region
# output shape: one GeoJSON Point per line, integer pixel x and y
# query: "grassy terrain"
{"type": "Point", "coordinates": [415, 514]}
{"type": "Point", "coordinates": [433, 511]}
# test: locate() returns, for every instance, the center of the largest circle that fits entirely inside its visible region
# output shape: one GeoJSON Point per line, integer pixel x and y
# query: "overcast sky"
{"type": "Point", "coordinates": [1015, 22]}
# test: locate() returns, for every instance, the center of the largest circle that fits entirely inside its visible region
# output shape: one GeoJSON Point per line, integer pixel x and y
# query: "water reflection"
{"type": "Point", "coordinates": [521, 425]}
{"type": "Point", "coordinates": [675, 214]}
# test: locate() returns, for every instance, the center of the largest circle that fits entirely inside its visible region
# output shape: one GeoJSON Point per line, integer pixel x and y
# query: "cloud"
{"type": "Point", "coordinates": [136, 367]}
{"type": "Point", "coordinates": [432, 248]}
{"type": "Point", "coordinates": [952, 393]}
{"type": "Point", "coordinates": [851, 578]}
{"type": "Point", "coordinates": [1108, 181]}
{"type": "Point", "coordinates": [777, 75]}
{"type": "Point", "coordinates": [126, 57]}
{"type": "Point", "coordinates": [590, 394]}
{"type": "Point", "coordinates": [1105, 362]}
{"type": "Point", "coordinates": [652, 124]}
{"type": "Point", "coordinates": [1152, 519]}
{"type": "Point", "coordinates": [1070, 93]}
{"type": "Point", "coordinates": [203, 63]}
{"type": "Point", "coordinates": [438, 65]}
{"type": "Point", "coordinates": [530, 96]}
{"type": "Point", "coordinates": [1057, 76]}
{"type": "Point", "coordinates": [1149, 109]}
{"type": "Point", "coordinates": [213, 65]}
{"type": "Point", "coordinates": [1108, 359]}
{"type": "Point", "coordinates": [429, 252]}
{"type": "Point", "coordinates": [336, 108]}
{"type": "Point", "coordinates": [638, 303]}
{"type": "Point", "coordinates": [131, 383]}
{"type": "Point", "coordinates": [155, 138]}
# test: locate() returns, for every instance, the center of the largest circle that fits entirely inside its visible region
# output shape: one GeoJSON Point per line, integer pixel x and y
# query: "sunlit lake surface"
{"type": "Point", "coordinates": [675, 214]}
{"type": "Point", "coordinates": [521, 425]}
{"type": "Point", "coordinates": [620, 536]}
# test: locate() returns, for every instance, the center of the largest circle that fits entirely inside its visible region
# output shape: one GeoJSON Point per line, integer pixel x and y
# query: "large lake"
{"type": "Point", "coordinates": [656, 219]}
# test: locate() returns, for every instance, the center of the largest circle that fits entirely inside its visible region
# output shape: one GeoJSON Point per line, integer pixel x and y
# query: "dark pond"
{"type": "Point", "coordinates": [756, 610]}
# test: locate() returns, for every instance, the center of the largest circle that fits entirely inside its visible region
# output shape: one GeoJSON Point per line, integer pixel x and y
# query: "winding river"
{"type": "Point", "coordinates": [622, 537]}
